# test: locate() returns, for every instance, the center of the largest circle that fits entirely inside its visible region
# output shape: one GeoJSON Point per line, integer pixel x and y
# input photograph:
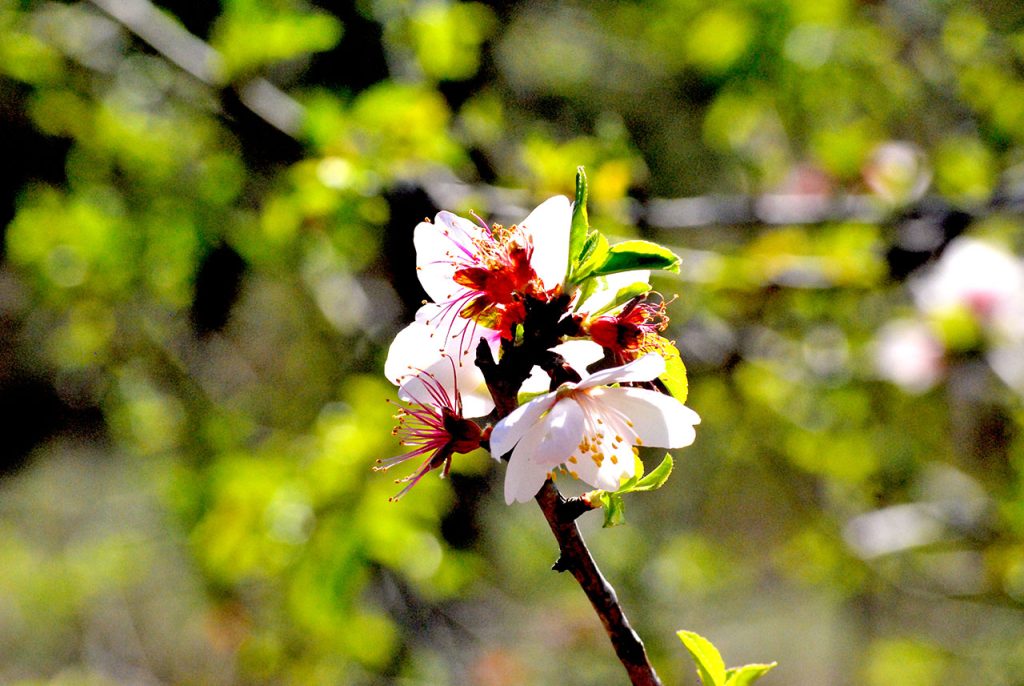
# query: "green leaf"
{"type": "Point", "coordinates": [674, 376]}
{"type": "Point", "coordinates": [586, 290]}
{"type": "Point", "coordinates": [580, 228]}
{"type": "Point", "coordinates": [614, 509]}
{"type": "Point", "coordinates": [622, 296]}
{"type": "Point", "coordinates": [524, 397]}
{"type": "Point", "coordinates": [710, 666]}
{"type": "Point", "coordinates": [638, 255]}
{"type": "Point", "coordinates": [629, 484]}
{"type": "Point", "coordinates": [611, 501]}
{"type": "Point", "coordinates": [657, 478]}
{"type": "Point", "coordinates": [747, 674]}
{"type": "Point", "coordinates": [595, 252]}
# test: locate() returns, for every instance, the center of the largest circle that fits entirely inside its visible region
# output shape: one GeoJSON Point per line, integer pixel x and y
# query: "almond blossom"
{"type": "Point", "coordinates": [482, 274]}
{"type": "Point", "coordinates": [432, 423]}
{"type": "Point", "coordinates": [630, 332]}
{"type": "Point", "coordinates": [590, 429]}
{"type": "Point", "coordinates": [479, 278]}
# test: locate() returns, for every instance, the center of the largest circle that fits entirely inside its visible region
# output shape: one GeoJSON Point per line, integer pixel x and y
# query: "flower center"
{"type": "Point", "coordinates": [500, 279]}
{"type": "Point", "coordinates": [629, 330]}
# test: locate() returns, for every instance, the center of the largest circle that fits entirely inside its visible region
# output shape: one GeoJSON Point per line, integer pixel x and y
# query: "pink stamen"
{"type": "Point", "coordinates": [424, 425]}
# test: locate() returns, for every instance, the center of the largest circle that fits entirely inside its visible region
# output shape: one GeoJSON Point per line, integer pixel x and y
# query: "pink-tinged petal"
{"type": "Point", "coordinates": [476, 398]}
{"type": "Point", "coordinates": [548, 227]}
{"type": "Point", "coordinates": [648, 367]}
{"type": "Point", "coordinates": [441, 249]}
{"type": "Point", "coordinates": [616, 463]}
{"type": "Point", "coordinates": [415, 347]}
{"type": "Point", "coordinates": [518, 423]}
{"type": "Point", "coordinates": [657, 419]}
{"type": "Point", "coordinates": [558, 434]}
{"type": "Point", "coordinates": [580, 354]}
{"type": "Point", "coordinates": [451, 334]}
{"type": "Point", "coordinates": [523, 478]}
{"type": "Point", "coordinates": [450, 376]}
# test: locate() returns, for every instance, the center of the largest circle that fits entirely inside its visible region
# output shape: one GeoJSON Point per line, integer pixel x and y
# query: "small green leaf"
{"type": "Point", "coordinates": [524, 397]}
{"type": "Point", "coordinates": [595, 252]}
{"type": "Point", "coordinates": [657, 478]}
{"type": "Point", "coordinates": [622, 296]}
{"type": "Point", "coordinates": [611, 501]}
{"type": "Point", "coordinates": [674, 376]}
{"type": "Point", "coordinates": [629, 484]}
{"type": "Point", "coordinates": [580, 227]}
{"type": "Point", "coordinates": [614, 509]}
{"type": "Point", "coordinates": [710, 666]}
{"type": "Point", "coordinates": [638, 255]}
{"type": "Point", "coordinates": [586, 290]}
{"type": "Point", "coordinates": [747, 674]}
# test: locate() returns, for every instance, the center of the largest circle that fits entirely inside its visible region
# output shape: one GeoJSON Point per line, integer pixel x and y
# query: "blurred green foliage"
{"type": "Point", "coordinates": [195, 305]}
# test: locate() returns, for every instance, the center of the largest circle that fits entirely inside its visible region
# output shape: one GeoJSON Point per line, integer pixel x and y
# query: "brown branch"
{"type": "Point", "coordinates": [503, 379]}
{"type": "Point", "coordinates": [575, 558]}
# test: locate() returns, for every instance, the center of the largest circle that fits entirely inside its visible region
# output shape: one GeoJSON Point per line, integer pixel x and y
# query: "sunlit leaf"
{"type": "Point", "coordinates": [631, 255]}
{"type": "Point", "coordinates": [674, 376]}
{"type": "Point", "coordinates": [710, 666]}
{"type": "Point", "coordinates": [747, 674]}
{"type": "Point", "coordinates": [656, 478]}
{"type": "Point", "coordinates": [580, 228]}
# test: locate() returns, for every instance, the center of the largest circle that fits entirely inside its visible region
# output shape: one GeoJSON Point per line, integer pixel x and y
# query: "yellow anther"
{"type": "Point", "coordinates": [572, 458]}
{"type": "Point", "coordinates": [615, 460]}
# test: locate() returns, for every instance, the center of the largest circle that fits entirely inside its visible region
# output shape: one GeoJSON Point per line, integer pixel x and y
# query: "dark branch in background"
{"type": "Point", "coordinates": [193, 55]}
{"type": "Point", "coordinates": [280, 111]}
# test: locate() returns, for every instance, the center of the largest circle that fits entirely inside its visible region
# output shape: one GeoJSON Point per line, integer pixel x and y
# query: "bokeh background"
{"type": "Point", "coordinates": [207, 211]}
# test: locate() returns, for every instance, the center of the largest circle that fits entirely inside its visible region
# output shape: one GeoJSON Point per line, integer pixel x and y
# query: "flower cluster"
{"type": "Point", "coordinates": [548, 312]}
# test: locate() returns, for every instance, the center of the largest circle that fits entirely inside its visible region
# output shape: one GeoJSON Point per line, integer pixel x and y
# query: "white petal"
{"type": "Point", "coordinates": [658, 420]}
{"type": "Point", "coordinates": [537, 382]}
{"type": "Point", "coordinates": [558, 434]}
{"type": "Point", "coordinates": [646, 368]}
{"type": "Point", "coordinates": [415, 347]}
{"type": "Point", "coordinates": [580, 354]}
{"type": "Point", "coordinates": [466, 377]}
{"type": "Point", "coordinates": [523, 478]}
{"type": "Point", "coordinates": [441, 248]}
{"type": "Point", "coordinates": [512, 428]}
{"type": "Point", "coordinates": [609, 285]}
{"type": "Point", "coordinates": [548, 226]}
{"type": "Point", "coordinates": [618, 464]}
{"type": "Point", "coordinates": [456, 336]}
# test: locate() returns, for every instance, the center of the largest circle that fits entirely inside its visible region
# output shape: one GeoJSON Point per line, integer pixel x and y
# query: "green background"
{"type": "Point", "coordinates": [208, 212]}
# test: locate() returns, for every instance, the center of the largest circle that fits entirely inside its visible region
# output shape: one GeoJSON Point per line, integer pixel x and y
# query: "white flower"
{"type": "Point", "coordinates": [482, 274]}
{"type": "Point", "coordinates": [978, 276]}
{"type": "Point", "coordinates": [478, 278]}
{"type": "Point", "coordinates": [432, 423]}
{"type": "Point", "coordinates": [908, 354]}
{"type": "Point", "coordinates": [418, 348]}
{"type": "Point", "coordinates": [590, 428]}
